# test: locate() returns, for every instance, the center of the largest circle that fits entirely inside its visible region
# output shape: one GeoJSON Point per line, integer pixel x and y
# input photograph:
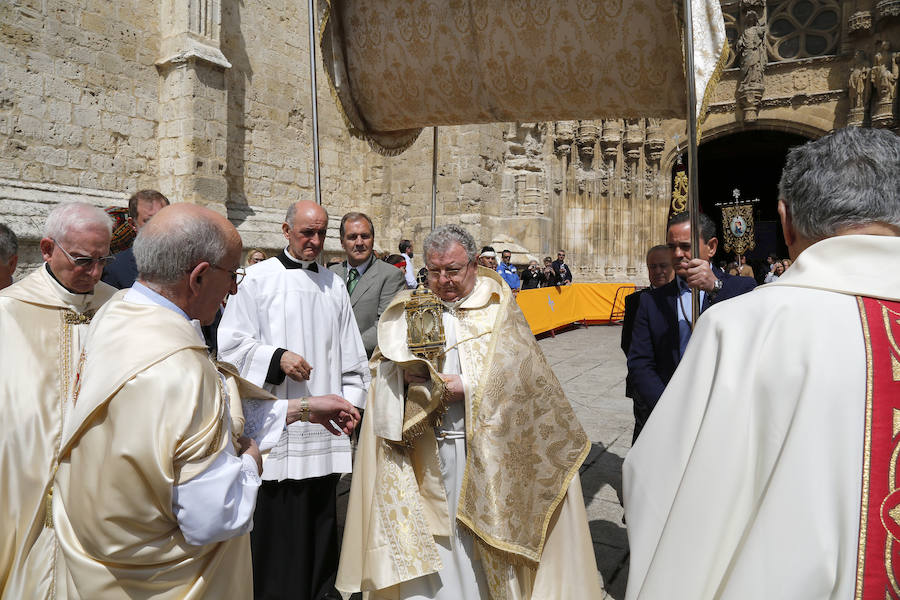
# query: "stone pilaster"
{"type": "Point", "coordinates": [192, 104]}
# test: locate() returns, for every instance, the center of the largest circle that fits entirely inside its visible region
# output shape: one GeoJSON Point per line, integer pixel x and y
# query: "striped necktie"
{"type": "Point", "coordinates": [352, 280]}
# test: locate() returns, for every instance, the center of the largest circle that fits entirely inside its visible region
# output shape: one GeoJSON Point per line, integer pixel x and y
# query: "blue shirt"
{"type": "Point", "coordinates": [509, 275]}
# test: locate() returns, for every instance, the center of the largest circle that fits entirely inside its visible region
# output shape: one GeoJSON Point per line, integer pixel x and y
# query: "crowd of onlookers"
{"type": "Point", "coordinates": [762, 271]}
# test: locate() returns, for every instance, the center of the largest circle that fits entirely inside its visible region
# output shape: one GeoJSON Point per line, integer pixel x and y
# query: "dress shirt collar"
{"type": "Point", "coordinates": [141, 294]}
{"type": "Point", "coordinates": [154, 297]}
{"type": "Point", "coordinates": [361, 268]}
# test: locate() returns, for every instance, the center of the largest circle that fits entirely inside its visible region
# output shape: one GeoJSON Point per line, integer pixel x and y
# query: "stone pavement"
{"type": "Point", "coordinates": [591, 368]}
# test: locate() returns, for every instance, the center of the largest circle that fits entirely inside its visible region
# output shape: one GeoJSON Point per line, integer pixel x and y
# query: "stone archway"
{"type": "Point", "coordinates": [751, 161]}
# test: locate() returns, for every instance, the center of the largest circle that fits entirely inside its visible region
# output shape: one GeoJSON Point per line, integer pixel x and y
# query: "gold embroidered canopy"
{"type": "Point", "coordinates": [397, 66]}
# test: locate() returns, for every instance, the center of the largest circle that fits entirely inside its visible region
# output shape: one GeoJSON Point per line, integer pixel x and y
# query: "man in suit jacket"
{"type": "Point", "coordinates": [660, 272]}
{"type": "Point", "coordinates": [142, 205]}
{"type": "Point", "coordinates": [662, 324]}
{"type": "Point", "coordinates": [372, 283]}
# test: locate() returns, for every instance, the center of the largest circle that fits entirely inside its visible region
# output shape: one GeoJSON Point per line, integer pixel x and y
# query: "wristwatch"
{"type": "Point", "coordinates": [717, 287]}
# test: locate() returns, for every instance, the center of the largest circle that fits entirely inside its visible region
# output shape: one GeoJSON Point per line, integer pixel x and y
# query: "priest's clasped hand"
{"type": "Point", "coordinates": [454, 383]}
{"type": "Point", "coordinates": [330, 411]}
{"type": "Point", "coordinates": [295, 366]}
{"type": "Point", "coordinates": [248, 445]}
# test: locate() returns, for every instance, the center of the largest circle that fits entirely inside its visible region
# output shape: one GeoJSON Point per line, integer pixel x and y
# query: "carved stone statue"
{"type": "Point", "coordinates": [751, 47]}
{"type": "Point", "coordinates": [885, 72]}
{"type": "Point", "coordinates": [859, 82]}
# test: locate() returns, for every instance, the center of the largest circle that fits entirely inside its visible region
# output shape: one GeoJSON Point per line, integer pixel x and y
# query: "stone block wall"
{"type": "Point", "coordinates": [209, 102]}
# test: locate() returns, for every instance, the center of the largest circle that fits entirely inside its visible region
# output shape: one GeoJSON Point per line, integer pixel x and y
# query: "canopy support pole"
{"type": "Point", "coordinates": [693, 188]}
{"type": "Point", "coordinates": [434, 160]}
{"type": "Point", "coordinates": [314, 94]}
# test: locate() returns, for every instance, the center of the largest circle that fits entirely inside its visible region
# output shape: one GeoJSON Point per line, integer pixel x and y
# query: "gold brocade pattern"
{"type": "Point", "coordinates": [396, 500]}
{"type": "Point", "coordinates": [524, 443]}
{"type": "Point", "coordinates": [396, 66]}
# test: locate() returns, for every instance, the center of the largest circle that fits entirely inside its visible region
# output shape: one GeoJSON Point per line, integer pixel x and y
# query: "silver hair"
{"type": "Point", "coordinates": [440, 238]}
{"type": "Point", "coordinates": [847, 178]}
{"type": "Point", "coordinates": [289, 216]}
{"type": "Point", "coordinates": [75, 215]}
{"type": "Point", "coordinates": [9, 244]}
{"type": "Point", "coordinates": [165, 255]}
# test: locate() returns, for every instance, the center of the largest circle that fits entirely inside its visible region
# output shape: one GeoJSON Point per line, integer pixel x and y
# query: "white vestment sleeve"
{"type": "Point", "coordinates": [218, 503]}
{"type": "Point", "coordinates": [355, 376]}
{"type": "Point", "coordinates": [239, 334]}
{"type": "Point", "coordinates": [265, 421]}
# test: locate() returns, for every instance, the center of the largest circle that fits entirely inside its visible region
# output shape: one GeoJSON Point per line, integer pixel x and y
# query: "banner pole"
{"type": "Point", "coordinates": [693, 191]}
{"type": "Point", "coordinates": [434, 161]}
{"type": "Point", "coordinates": [314, 95]}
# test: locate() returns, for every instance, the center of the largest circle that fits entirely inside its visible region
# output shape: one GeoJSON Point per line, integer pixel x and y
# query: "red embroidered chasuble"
{"type": "Point", "coordinates": [878, 558]}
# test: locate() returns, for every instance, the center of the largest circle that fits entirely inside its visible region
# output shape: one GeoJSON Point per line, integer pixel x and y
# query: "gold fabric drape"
{"type": "Point", "coordinates": [396, 66]}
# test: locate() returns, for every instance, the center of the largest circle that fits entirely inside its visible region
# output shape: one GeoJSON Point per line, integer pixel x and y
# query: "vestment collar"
{"type": "Point", "coordinates": [42, 289]}
{"type": "Point", "coordinates": [860, 265]}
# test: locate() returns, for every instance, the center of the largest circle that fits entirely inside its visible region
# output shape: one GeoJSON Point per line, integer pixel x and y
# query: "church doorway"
{"type": "Point", "coordinates": [751, 162]}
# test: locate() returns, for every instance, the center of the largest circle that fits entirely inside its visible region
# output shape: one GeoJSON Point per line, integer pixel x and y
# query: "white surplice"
{"type": "Point", "coordinates": [745, 482]}
{"type": "Point", "coordinates": [308, 313]}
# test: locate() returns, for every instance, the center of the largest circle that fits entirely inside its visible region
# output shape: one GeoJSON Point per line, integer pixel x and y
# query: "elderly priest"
{"type": "Point", "coordinates": [43, 320]}
{"type": "Point", "coordinates": [152, 497]}
{"type": "Point", "coordinates": [768, 467]}
{"type": "Point", "coordinates": [466, 479]}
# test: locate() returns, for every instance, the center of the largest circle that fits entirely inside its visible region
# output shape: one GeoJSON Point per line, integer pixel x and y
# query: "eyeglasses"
{"type": "Point", "coordinates": [237, 276]}
{"type": "Point", "coordinates": [84, 262]}
{"type": "Point", "coordinates": [450, 272]}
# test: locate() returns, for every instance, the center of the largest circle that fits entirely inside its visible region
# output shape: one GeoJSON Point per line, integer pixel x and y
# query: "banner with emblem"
{"type": "Point", "coordinates": [737, 225]}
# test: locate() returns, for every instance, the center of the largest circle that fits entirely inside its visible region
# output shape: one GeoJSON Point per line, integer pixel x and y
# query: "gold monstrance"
{"type": "Point", "coordinates": [424, 324]}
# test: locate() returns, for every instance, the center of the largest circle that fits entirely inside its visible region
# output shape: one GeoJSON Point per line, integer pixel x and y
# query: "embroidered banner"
{"type": "Point", "coordinates": [878, 562]}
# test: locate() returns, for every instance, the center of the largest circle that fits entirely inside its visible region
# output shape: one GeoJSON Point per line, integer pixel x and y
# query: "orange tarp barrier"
{"type": "Point", "coordinates": [553, 307]}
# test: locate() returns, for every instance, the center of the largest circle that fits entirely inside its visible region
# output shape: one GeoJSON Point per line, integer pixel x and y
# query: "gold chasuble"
{"type": "Point", "coordinates": [520, 496]}
{"type": "Point", "coordinates": [42, 326]}
{"type": "Point", "coordinates": [150, 414]}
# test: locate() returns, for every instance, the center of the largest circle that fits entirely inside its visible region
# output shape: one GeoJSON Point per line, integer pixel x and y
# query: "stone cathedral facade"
{"type": "Point", "coordinates": [209, 102]}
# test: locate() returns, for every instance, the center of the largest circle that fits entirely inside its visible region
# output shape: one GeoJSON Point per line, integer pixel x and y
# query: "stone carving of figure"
{"type": "Point", "coordinates": [885, 74]}
{"type": "Point", "coordinates": [752, 49]}
{"type": "Point", "coordinates": [859, 82]}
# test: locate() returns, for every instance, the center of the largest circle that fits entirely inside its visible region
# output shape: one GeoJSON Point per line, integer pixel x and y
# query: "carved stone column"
{"type": "Point", "coordinates": [653, 149]}
{"type": "Point", "coordinates": [587, 137]}
{"type": "Point", "coordinates": [632, 146]}
{"type": "Point", "coordinates": [610, 138]}
{"type": "Point", "coordinates": [634, 139]}
{"type": "Point", "coordinates": [564, 139]}
{"type": "Point", "coordinates": [192, 103]}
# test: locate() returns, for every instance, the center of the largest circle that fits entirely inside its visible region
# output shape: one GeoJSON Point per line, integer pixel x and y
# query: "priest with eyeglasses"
{"type": "Point", "coordinates": [466, 483]}
{"type": "Point", "coordinates": [43, 319]}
